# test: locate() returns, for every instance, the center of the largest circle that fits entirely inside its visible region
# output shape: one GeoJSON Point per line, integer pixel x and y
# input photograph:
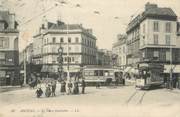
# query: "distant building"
{"type": "Point", "coordinates": [151, 36]}
{"type": "Point", "coordinates": [82, 46]}
{"type": "Point", "coordinates": [119, 49]}
{"type": "Point", "coordinates": [104, 57]}
{"type": "Point", "coordinates": [9, 50]}
{"type": "Point", "coordinates": [28, 51]}
{"type": "Point", "coordinates": [25, 57]}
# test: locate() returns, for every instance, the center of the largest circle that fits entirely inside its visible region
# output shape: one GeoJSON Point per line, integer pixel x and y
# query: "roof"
{"type": "Point", "coordinates": [155, 13]}
{"type": "Point", "coordinates": [160, 11]}
{"type": "Point", "coordinates": [65, 26]}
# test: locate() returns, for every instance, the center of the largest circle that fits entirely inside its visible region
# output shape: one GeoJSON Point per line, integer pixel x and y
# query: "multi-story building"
{"type": "Point", "coordinates": [25, 60]}
{"type": "Point", "coordinates": [103, 57]}
{"type": "Point", "coordinates": [81, 42]}
{"type": "Point", "coordinates": [152, 37]}
{"type": "Point", "coordinates": [9, 50]}
{"type": "Point", "coordinates": [119, 49]}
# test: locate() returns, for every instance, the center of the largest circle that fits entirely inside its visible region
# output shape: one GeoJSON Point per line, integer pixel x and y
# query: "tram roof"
{"type": "Point", "coordinates": [99, 67]}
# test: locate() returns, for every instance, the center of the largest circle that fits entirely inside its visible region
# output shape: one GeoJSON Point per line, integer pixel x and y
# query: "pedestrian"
{"type": "Point", "coordinates": [70, 85]}
{"type": "Point", "coordinates": [53, 84]}
{"type": "Point", "coordinates": [39, 92]}
{"type": "Point", "coordinates": [76, 88]}
{"type": "Point", "coordinates": [83, 86]}
{"type": "Point", "coordinates": [63, 87]}
{"type": "Point", "coordinates": [98, 84]}
{"type": "Point", "coordinates": [48, 90]}
{"type": "Point", "coordinates": [21, 81]}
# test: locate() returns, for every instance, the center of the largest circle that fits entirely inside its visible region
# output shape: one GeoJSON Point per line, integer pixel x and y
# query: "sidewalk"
{"type": "Point", "coordinates": [10, 88]}
{"type": "Point", "coordinates": [130, 82]}
{"type": "Point", "coordinates": [174, 90]}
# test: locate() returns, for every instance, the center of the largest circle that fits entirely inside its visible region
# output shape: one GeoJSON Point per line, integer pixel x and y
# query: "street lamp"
{"type": "Point", "coordinates": [68, 76]}
{"type": "Point", "coordinates": [171, 69]}
{"type": "Point", "coordinates": [60, 60]}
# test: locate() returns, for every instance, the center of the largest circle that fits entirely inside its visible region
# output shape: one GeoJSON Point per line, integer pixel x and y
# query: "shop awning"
{"type": "Point", "coordinates": [127, 69]}
{"type": "Point", "coordinates": [49, 68]}
{"type": "Point", "coordinates": [134, 71]}
{"type": "Point", "coordinates": [176, 68]}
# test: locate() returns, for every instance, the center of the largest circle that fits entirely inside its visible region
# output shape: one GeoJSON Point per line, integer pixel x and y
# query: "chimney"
{"type": "Point", "coordinates": [59, 23]}
{"type": "Point", "coordinates": [150, 6]}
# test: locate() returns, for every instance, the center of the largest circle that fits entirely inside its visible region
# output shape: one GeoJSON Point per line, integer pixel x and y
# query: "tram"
{"type": "Point", "coordinates": [101, 74]}
{"type": "Point", "coordinates": [150, 74]}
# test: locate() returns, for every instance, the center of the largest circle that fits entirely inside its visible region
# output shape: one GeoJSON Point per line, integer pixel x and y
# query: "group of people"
{"type": "Point", "coordinates": [68, 88]}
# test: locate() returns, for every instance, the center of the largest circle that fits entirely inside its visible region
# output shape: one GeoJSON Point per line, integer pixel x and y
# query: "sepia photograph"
{"type": "Point", "coordinates": [89, 58]}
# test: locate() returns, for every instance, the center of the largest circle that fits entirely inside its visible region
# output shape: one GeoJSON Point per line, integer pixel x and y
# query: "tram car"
{"type": "Point", "coordinates": [93, 74]}
{"type": "Point", "coordinates": [150, 75]}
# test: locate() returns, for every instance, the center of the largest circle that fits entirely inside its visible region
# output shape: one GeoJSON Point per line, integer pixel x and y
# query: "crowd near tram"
{"type": "Point", "coordinates": [66, 88]}
{"type": "Point", "coordinates": [145, 76]}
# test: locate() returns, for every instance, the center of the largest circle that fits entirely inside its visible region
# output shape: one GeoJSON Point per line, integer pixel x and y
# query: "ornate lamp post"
{"type": "Point", "coordinates": [60, 61]}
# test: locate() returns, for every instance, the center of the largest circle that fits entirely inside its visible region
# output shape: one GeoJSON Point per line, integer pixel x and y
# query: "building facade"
{"type": "Point", "coordinates": [81, 43]}
{"type": "Point", "coordinates": [104, 57]}
{"type": "Point", "coordinates": [119, 49]}
{"type": "Point", "coordinates": [152, 37]}
{"type": "Point", "coordinates": [9, 50]}
{"type": "Point", "coordinates": [25, 60]}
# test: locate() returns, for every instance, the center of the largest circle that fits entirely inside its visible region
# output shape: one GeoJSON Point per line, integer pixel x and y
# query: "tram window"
{"type": "Point", "coordinates": [98, 73]}
{"type": "Point", "coordinates": [86, 73]}
{"type": "Point", "coordinates": [91, 73]}
{"type": "Point", "coordinates": [106, 73]}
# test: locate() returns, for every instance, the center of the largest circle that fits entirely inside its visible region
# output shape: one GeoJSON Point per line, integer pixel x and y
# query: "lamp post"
{"type": "Point", "coordinates": [171, 69]}
{"type": "Point", "coordinates": [60, 60]}
{"type": "Point", "coordinates": [68, 76]}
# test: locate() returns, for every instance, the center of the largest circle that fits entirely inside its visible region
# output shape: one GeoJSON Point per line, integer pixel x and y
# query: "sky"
{"type": "Point", "coordinates": [107, 18]}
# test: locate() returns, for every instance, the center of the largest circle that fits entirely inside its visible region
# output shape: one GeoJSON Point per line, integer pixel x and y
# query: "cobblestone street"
{"type": "Point", "coordinates": [106, 101]}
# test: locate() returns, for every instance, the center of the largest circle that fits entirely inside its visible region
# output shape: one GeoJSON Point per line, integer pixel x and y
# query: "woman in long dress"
{"type": "Point", "coordinates": [63, 87]}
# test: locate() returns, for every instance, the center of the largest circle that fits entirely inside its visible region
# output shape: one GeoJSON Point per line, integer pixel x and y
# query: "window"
{"type": "Point", "coordinates": [72, 59]}
{"type": "Point", "coordinates": [168, 39]}
{"type": "Point", "coordinates": [69, 59]}
{"type": "Point", "coordinates": [168, 56]}
{"type": "Point", "coordinates": [61, 39]}
{"type": "Point", "coordinates": [4, 42]}
{"type": "Point", "coordinates": [2, 55]}
{"type": "Point", "coordinates": [65, 59]}
{"type": "Point", "coordinates": [2, 73]}
{"type": "Point", "coordinates": [77, 40]}
{"type": "Point", "coordinates": [69, 48]}
{"type": "Point", "coordinates": [124, 51]}
{"type": "Point", "coordinates": [76, 49]}
{"type": "Point", "coordinates": [54, 50]}
{"type": "Point", "coordinates": [98, 72]}
{"type": "Point", "coordinates": [156, 54]}
{"type": "Point", "coordinates": [54, 39]}
{"type": "Point", "coordinates": [82, 40]}
{"type": "Point", "coordinates": [54, 59]}
{"type": "Point", "coordinates": [69, 39]}
{"type": "Point", "coordinates": [168, 27]}
{"type": "Point", "coordinates": [144, 28]}
{"type": "Point", "coordinates": [155, 39]}
{"type": "Point", "coordinates": [44, 41]}
{"type": "Point", "coordinates": [2, 25]}
{"type": "Point", "coordinates": [156, 26]}
{"type": "Point", "coordinates": [143, 54]}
